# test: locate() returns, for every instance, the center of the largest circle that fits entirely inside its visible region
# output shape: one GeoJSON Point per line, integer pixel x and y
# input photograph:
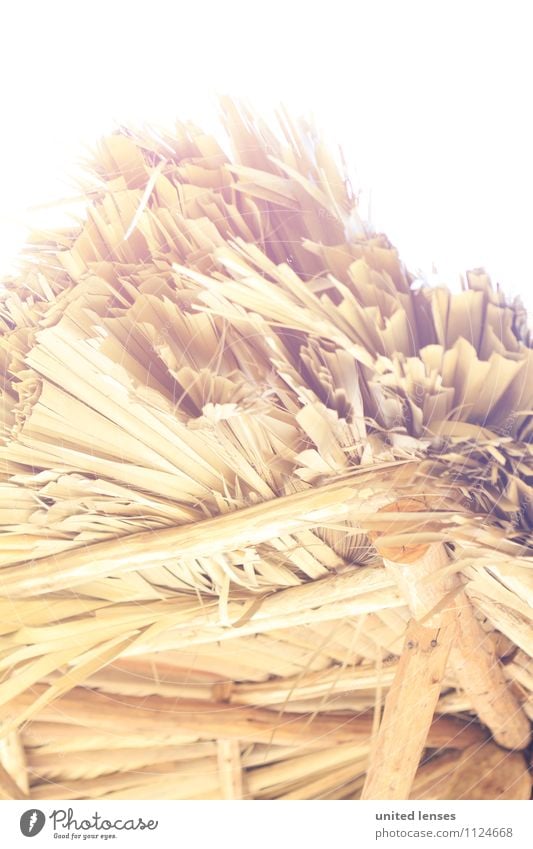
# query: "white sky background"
{"type": "Point", "coordinates": [431, 102]}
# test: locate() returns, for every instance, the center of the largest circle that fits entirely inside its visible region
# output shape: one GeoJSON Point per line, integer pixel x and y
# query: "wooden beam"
{"type": "Point", "coordinates": [409, 711]}
{"type": "Point", "coordinates": [481, 676]}
{"type": "Point", "coordinates": [412, 699]}
{"type": "Point", "coordinates": [436, 598]}
{"type": "Point", "coordinates": [472, 657]}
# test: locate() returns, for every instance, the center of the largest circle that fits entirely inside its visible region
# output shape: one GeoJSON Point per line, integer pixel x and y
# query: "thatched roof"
{"type": "Point", "coordinates": [253, 483]}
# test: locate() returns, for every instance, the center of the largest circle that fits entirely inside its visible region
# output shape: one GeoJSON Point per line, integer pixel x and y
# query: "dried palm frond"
{"type": "Point", "coordinates": [255, 487]}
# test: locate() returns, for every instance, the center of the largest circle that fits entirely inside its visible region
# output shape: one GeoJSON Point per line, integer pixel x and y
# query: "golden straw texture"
{"type": "Point", "coordinates": [243, 454]}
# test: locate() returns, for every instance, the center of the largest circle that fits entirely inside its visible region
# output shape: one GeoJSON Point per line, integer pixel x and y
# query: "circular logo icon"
{"type": "Point", "coordinates": [32, 822]}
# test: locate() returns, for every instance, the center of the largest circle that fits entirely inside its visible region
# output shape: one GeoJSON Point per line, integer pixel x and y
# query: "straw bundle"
{"type": "Point", "coordinates": [265, 505]}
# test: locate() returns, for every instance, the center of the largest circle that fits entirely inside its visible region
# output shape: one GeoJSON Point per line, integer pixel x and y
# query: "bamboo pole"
{"type": "Point", "coordinates": [230, 769]}
{"type": "Point", "coordinates": [355, 604]}
{"type": "Point", "coordinates": [230, 531]}
{"type": "Point", "coordinates": [215, 720]}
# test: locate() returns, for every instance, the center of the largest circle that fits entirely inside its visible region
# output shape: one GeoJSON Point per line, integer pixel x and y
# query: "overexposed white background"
{"type": "Point", "coordinates": [431, 102]}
